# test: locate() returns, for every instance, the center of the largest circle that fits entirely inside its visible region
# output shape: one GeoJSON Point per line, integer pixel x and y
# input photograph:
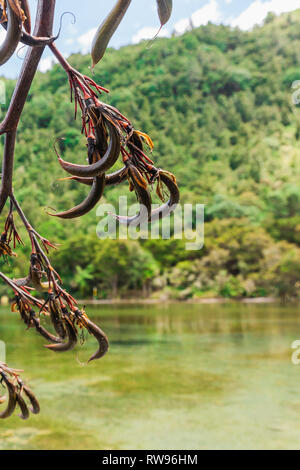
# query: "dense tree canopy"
{"type": "Point", "coordinates": [217, 103]}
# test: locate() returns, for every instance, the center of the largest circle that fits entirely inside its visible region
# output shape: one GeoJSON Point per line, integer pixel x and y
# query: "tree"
{"type": "Point", "coordinates": [108, 133]}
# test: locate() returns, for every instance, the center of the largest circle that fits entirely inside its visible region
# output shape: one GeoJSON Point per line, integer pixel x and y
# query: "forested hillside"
{"type": "Point", "coordinates": [217, 103]}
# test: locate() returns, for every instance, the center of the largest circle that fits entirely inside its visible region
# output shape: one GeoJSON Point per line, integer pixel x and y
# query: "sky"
{"type": "Point", "coordinates": [141, 22]}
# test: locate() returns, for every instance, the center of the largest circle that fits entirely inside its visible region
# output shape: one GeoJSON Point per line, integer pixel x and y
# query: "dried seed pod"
{"type": "Point", "coordinates": [12, 400]}
{"type": "Point", "coordinates": [164, 8]}
{"type": "Point", "coordinates": [89, 202]}
{"type": "Point", "coordinates": [107, 29]}
{"type": "Point", "coordinates": [23, 407]}
{"type": "Point", "coordinates": [104, 164]}
{"type": "Point", "coordinates": [71, 341]}
{"type": "Point", "coordinates": [14, 31]}
{"type": "Point", "coordinates": [95, 330]}
{"type": "Point", "coordinates": [169, 180]}
{"type": "Point", "coordinates": [27, 20]}
{"type": "Point", "coordinates": [100, 337]}
{"type": "Point", "coordinates": [33, 400]}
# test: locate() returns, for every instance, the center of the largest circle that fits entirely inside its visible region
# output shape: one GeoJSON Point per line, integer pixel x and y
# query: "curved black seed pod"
{"type": "Point", "coordinates": [143, 196]}
{"type": "Point", "coordinates": [13, 35]}
{"type": "Point", "coordinates": [171, 204]}
{"type": "Point", "coordinates": [89, 203]}
{"type": "Point", "coordinates": [96, 331]}
{"type": "Point", "coordinates": [23, 407]}
{"type": "Point", "coordinates": [12, 401]}
{"type": "Point", "coordinates": [72, 338]}
{"type": "Point", "coordinates": [100, 337]}
{"type": "Point", "coordinates": [26, 38]}
{"type": "Point", "coordinates": [104, 164]}
{"type": "Point", "coordinates": [33, 400]}
{"type": "Point", "coordinates": [33, 41]}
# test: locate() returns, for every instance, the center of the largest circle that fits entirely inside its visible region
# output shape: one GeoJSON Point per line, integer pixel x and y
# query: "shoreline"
{"type": "Point", "coordinates": [214, 300]}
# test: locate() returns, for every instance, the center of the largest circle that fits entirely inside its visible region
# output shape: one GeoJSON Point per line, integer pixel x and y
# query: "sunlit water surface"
{"type": "Point", "coordinates": [176, 376]}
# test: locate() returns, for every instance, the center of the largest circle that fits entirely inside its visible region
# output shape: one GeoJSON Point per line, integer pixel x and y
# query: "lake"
{"type": "Point", "coordinates": [177, 376]}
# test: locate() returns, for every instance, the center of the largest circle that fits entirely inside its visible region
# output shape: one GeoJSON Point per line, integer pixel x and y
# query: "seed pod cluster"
{"type": "Point", "coordinates": [18, 395]}
{"type": "Point", "coordinates": [110, 135]}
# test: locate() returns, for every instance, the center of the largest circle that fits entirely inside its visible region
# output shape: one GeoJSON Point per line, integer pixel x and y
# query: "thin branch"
{"type": "Point", "coordinates": [7, 167]}
{"type": "Point", "coordinates": [43, 27]}
{"type": "Point", "coordinates": [67, 67]}
{"type": "Point", "coordinates": [36, 248]}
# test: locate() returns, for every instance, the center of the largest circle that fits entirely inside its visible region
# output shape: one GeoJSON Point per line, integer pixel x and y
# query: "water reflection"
{"type": "Point", "coordinates": [178, 318]}
{"type": "Point", "coordinates": [177, 376]}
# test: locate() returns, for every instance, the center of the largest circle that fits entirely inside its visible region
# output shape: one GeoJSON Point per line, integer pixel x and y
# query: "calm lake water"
{"type": "Point", "coordinates": [176, 377]}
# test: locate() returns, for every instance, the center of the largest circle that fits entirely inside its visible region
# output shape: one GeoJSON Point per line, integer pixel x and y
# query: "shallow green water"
{"type": "Point", "coordinates": [176, 377]}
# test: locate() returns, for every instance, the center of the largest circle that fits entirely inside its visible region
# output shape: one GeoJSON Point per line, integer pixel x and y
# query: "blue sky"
{"type": "Point", "coordinates": [141, 21]}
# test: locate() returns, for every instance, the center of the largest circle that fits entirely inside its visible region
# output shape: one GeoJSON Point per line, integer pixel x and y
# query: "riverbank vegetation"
{"type": "Point", "coordinates": [217, 103]}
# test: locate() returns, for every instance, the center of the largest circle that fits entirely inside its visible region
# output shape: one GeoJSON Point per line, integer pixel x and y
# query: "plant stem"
{"type": "Point", "coordinates": [7, 167]}
{"type": "Point", "coordinates": [60, 58]}
{"type": "Point", "coordinates": [43, 27]}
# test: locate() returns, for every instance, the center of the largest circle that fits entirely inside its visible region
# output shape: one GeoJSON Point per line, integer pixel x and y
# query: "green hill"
{"type": "Point", "coordinates": [217, 103]}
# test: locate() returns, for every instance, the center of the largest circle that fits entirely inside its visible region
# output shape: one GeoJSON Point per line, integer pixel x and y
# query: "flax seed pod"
{"type": "Point", "coordinates": [107, 29]}
{"type": "Point", "coordinates": [164, 8]}
{"type": "Point", "coordinates": [27, 20]}
{"type": "Point", "coordinates": [14, 32]}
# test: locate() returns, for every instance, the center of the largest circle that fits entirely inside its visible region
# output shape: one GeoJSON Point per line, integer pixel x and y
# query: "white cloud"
{"type": "Point", "coordinates": [209, 12]}
{"type": "Point", "coordinates": [182, 25]}
{"type": "Point", "coordinates": [258, 10]}
{"type": "Point", "coordinates": [86, 39]}
{"type": "Point", "coordinates": [149, 33]}
{"type": "Point", "coordinates": [46, 64]}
